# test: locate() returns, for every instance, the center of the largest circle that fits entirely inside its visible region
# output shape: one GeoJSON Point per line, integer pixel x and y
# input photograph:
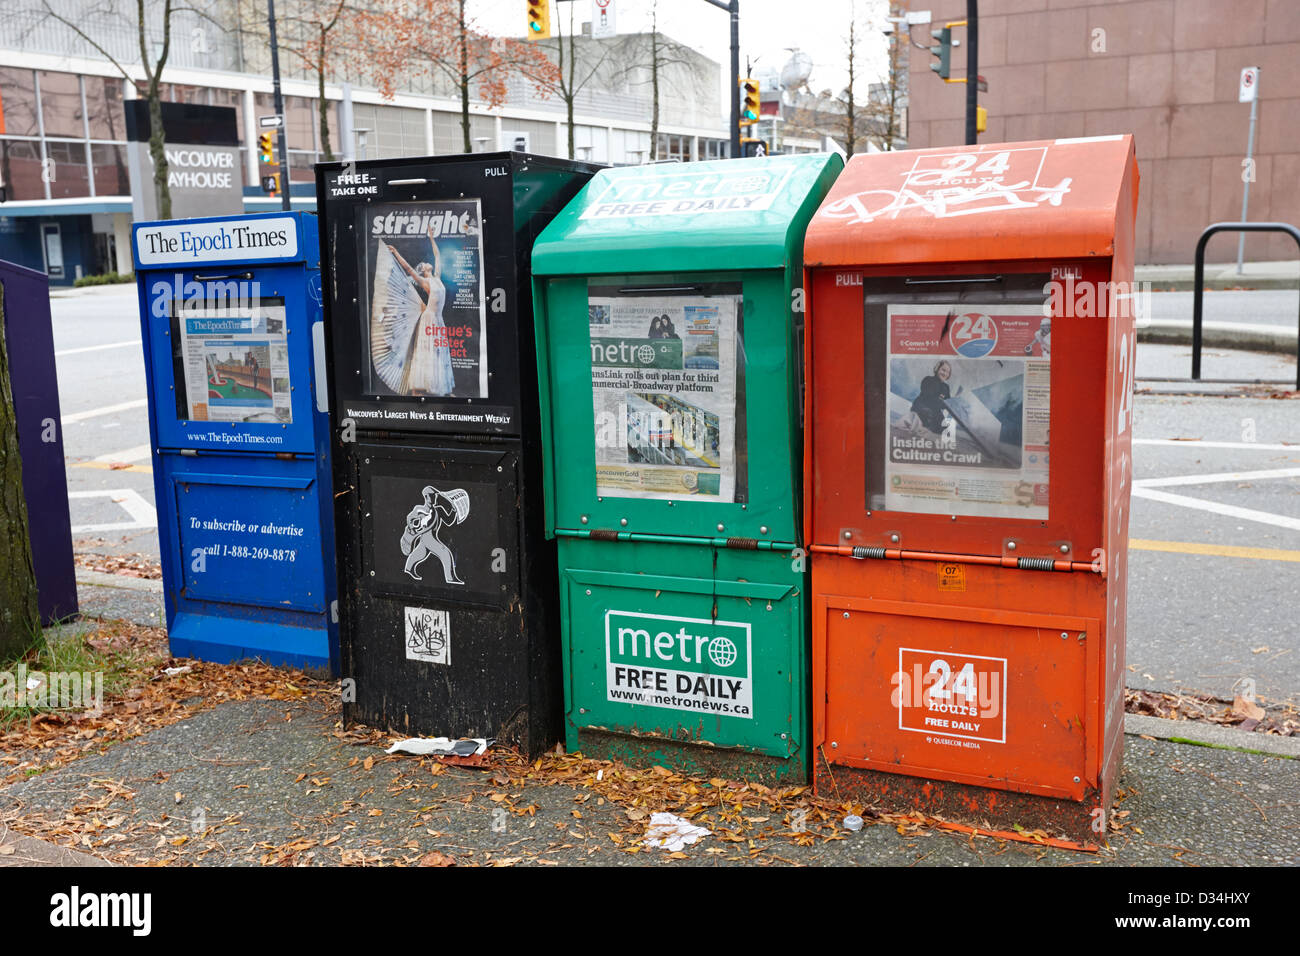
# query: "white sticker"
{"type": "Point", "coordinates": [428, 635]}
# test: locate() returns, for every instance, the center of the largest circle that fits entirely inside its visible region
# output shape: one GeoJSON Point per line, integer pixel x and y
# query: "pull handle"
{"type": "Point", "coordinates": [246, 276]}
{"type": "Point", "coordinates": [643, 289]}
{"type": "Point", "coordinates": [963, 279]}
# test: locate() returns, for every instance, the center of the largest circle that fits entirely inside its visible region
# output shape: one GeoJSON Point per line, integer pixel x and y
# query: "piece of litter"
{"type": "Point", "coordinates": [173, 671]}
{"type": "Point", "coordinates": [440, 746]}
{"type": "Point", "coordinates": [853, 822]}
{"type": "Point", "coordinates": [33, 683]}
{"type": "Point", "coordinates": [671, 832]}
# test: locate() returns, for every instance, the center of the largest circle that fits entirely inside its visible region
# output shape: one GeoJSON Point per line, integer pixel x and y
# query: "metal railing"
{"type": "Point", "coordinates": [1199, 280]}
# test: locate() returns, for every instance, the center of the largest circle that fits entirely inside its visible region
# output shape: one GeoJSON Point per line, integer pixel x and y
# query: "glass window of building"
{"type": "Point", "coordinates": [61, 104]}
{"type": "Point", "coordinates": [104, 107]}
{"type": "Point", "coordinates": [110, 171]}
{"type": "Point", "coordinates": [300, 122]}
{"type": "Point", "coordinates": [20, 167]}
{"type": "Point", "coordinates": [18, 101]}
{"type": "Point", "coordinates": [66, 169]}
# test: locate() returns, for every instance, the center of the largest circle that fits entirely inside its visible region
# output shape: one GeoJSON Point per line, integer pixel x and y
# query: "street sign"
{"type": "Point", "coordinates": [275, 121]}
{"type": "Point", "coordinates": [982, 84]}
{"type": "Point", "coordinates": [1249, 85]}
{"type": "Point", "coordinates": [602, 18]}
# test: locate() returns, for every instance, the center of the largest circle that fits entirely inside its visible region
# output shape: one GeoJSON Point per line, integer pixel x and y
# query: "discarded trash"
{"type": "Point", "coordinates": [173, 671]}
{"type": "Point", "coordinates": [672, 832]}
{"type": "Point", "coordinates": [441, 746]}
{"type": "Point", "coordinates": [853, 822]}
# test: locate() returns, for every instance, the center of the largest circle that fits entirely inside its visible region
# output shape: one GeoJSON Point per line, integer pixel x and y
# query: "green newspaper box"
{"type": "Point", "coordinates": [669, 336]}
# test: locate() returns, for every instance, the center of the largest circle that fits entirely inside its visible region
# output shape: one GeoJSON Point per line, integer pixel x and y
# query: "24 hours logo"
{"type": "Point", "coordinates": [973, 335]}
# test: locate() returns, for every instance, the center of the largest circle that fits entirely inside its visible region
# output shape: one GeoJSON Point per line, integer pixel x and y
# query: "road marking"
{"type": "Point", "coordinates": [1214, 507]}
{"type": "Point", "coordinates": [1216, 477]}
{"type": "Point", "coordinates": [1201, 443]}
{"type": "Point", "coordinates": [142, 513]}
{"type": "Point", "coordinates": [1215, 550]}
{"type": "Point", "coordinates": [137, 469]}
{"type": "Point", "coordinates": [96, 348]}
{"type": "Point", "coordinates": [106, 410]}
{"type": "Point", "coordinates": [141, 452]}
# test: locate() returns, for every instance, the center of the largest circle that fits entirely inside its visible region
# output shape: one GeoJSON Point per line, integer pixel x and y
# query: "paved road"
{"type": "Point", "coordinates": [1260, 306]}
{"type": "Point", "coordinates": [1216, 522]}
{"type": "Point", "coordinates": [105, 420]}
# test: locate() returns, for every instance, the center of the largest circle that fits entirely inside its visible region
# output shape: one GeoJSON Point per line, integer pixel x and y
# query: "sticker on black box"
{"type": "Point", "coordinates": [428, 635]}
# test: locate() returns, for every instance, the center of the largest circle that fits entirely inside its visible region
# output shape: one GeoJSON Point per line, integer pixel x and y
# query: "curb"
{"type": "Point", "coordinates": [1211, 735]}
{"type": "Point", "coordinates": [1225, 284]}
{"type": "Point", "coordinates": [124, 581]}
{"type": "Point", "coordinates": [1250, 337]}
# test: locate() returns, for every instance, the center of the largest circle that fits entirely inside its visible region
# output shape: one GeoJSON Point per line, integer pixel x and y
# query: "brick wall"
{"type": "Point", "coordinates": [1166, 71]}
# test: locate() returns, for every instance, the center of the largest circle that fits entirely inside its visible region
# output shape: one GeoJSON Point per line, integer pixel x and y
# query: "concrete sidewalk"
{"type": "Point", "coordinates": [265, 782]}
{"type": "Point", "coordinates": [1283, 274]}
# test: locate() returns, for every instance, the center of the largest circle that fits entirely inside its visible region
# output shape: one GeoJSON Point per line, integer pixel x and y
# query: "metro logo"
{"type": "Point", "coordinates": [680, 663]}
{"type": "Point", "coordinates": [636, 353]}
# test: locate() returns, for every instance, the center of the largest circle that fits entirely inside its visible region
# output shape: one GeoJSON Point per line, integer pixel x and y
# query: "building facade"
{"type": "Point", "coordinates": [1166, 71]}
{"type": "Point", "coordinates": [63, 149]}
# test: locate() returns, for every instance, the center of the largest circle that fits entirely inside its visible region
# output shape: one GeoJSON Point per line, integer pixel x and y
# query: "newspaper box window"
{"type": "Point", "coordinates": [448, 606]}
{"type": "Point", "coordinates": [669, 343]}
{"type": "Point", "coordinates": [230, 310]}
{"type": "Point", "coordinates": [971, 344]}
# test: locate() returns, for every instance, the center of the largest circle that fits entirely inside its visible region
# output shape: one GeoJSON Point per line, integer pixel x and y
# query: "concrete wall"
{"type": "Point", "coordinates": [1166, 71]}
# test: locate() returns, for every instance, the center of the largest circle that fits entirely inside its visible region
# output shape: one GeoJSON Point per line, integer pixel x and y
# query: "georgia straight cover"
{"type": "Point", "coordinates": [424, 306]}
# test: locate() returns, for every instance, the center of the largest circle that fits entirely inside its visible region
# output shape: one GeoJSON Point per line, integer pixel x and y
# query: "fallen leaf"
{"type": "Point", "coordinates": [1247, 708]}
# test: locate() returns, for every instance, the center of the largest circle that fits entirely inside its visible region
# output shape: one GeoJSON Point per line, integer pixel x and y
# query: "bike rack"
{"type": "Point", "coordinates": [1198, 281]}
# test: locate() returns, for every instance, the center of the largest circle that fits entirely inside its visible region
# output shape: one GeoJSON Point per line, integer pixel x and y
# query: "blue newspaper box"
{"type": "Point", "coordinates": [230, 310]}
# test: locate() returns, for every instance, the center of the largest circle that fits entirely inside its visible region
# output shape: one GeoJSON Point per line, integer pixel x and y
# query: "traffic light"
{"type": "Point", "coordinates": [271, 185]}
{"type": "Point", "coordinates": [981, 119]}
{"type": "Point", "coordinates": [751, 146]}
{"type": "Point", "coordinates": [750, 104]}
{"type": "Point", "coordinates": [539, 19]}
{"type": "Point", "coordinates": [266, 145]}
{"type": "Point", "coordinates": [943, 51]}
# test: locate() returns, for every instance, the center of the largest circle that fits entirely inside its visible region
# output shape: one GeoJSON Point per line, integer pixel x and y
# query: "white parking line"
{"type": "Point", "coordinates": [142, 513]}
{"type": "Point", "coordinates": [1200, 479]}
{"type": "Point", "coordinates": [96, 348]}
{"type": "Point", "coordinates": [1215, 507]}
{"type": "Point", "coordinates": [1200, 443]}
{"type": "Point", "coordinates": [106, 410]}
{"type": "Point", "coordinates": [138, 453]}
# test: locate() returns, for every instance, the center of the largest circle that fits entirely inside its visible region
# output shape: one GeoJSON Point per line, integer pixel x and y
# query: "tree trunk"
{"type": "Point", "coordinates": [464, 82]}
{"type": "Point", "coordinates": [326, 153]}
{"type": "Point", "coordinates": [850, 133]}
{"type": "Point", "coordinates": [158, 153]}
{"type": "Point", "coordinates": [654, 81]}
{"type": "Point", "coordinates": [20, 622]}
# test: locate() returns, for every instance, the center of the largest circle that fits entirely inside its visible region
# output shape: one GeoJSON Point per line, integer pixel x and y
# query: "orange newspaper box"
{"type": "Point", "coordinates": [970, 354]}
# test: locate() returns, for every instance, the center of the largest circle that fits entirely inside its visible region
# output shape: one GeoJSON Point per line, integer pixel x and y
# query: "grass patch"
{"type": "Point", "coordinates": [84, 651]}
{"type": "Point", "coordinates": [107, 278]}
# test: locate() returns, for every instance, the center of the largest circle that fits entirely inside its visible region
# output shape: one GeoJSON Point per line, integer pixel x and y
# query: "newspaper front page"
{"type": "Point", "coordinates": [663, 372]}
{"type": "Point", "coordinates": [968, 410]}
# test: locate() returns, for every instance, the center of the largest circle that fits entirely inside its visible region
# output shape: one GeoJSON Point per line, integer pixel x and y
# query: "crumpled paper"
{"type": "Point", "coordinates": [441, 746]}
{"type": "Point", "coordinates": [671, 832]}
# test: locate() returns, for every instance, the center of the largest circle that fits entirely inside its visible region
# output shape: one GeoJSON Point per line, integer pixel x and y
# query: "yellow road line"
{"type": "Point", "coordinates": [108, 465]}
{"type": "Point", "coordinates": [1215, 550]}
